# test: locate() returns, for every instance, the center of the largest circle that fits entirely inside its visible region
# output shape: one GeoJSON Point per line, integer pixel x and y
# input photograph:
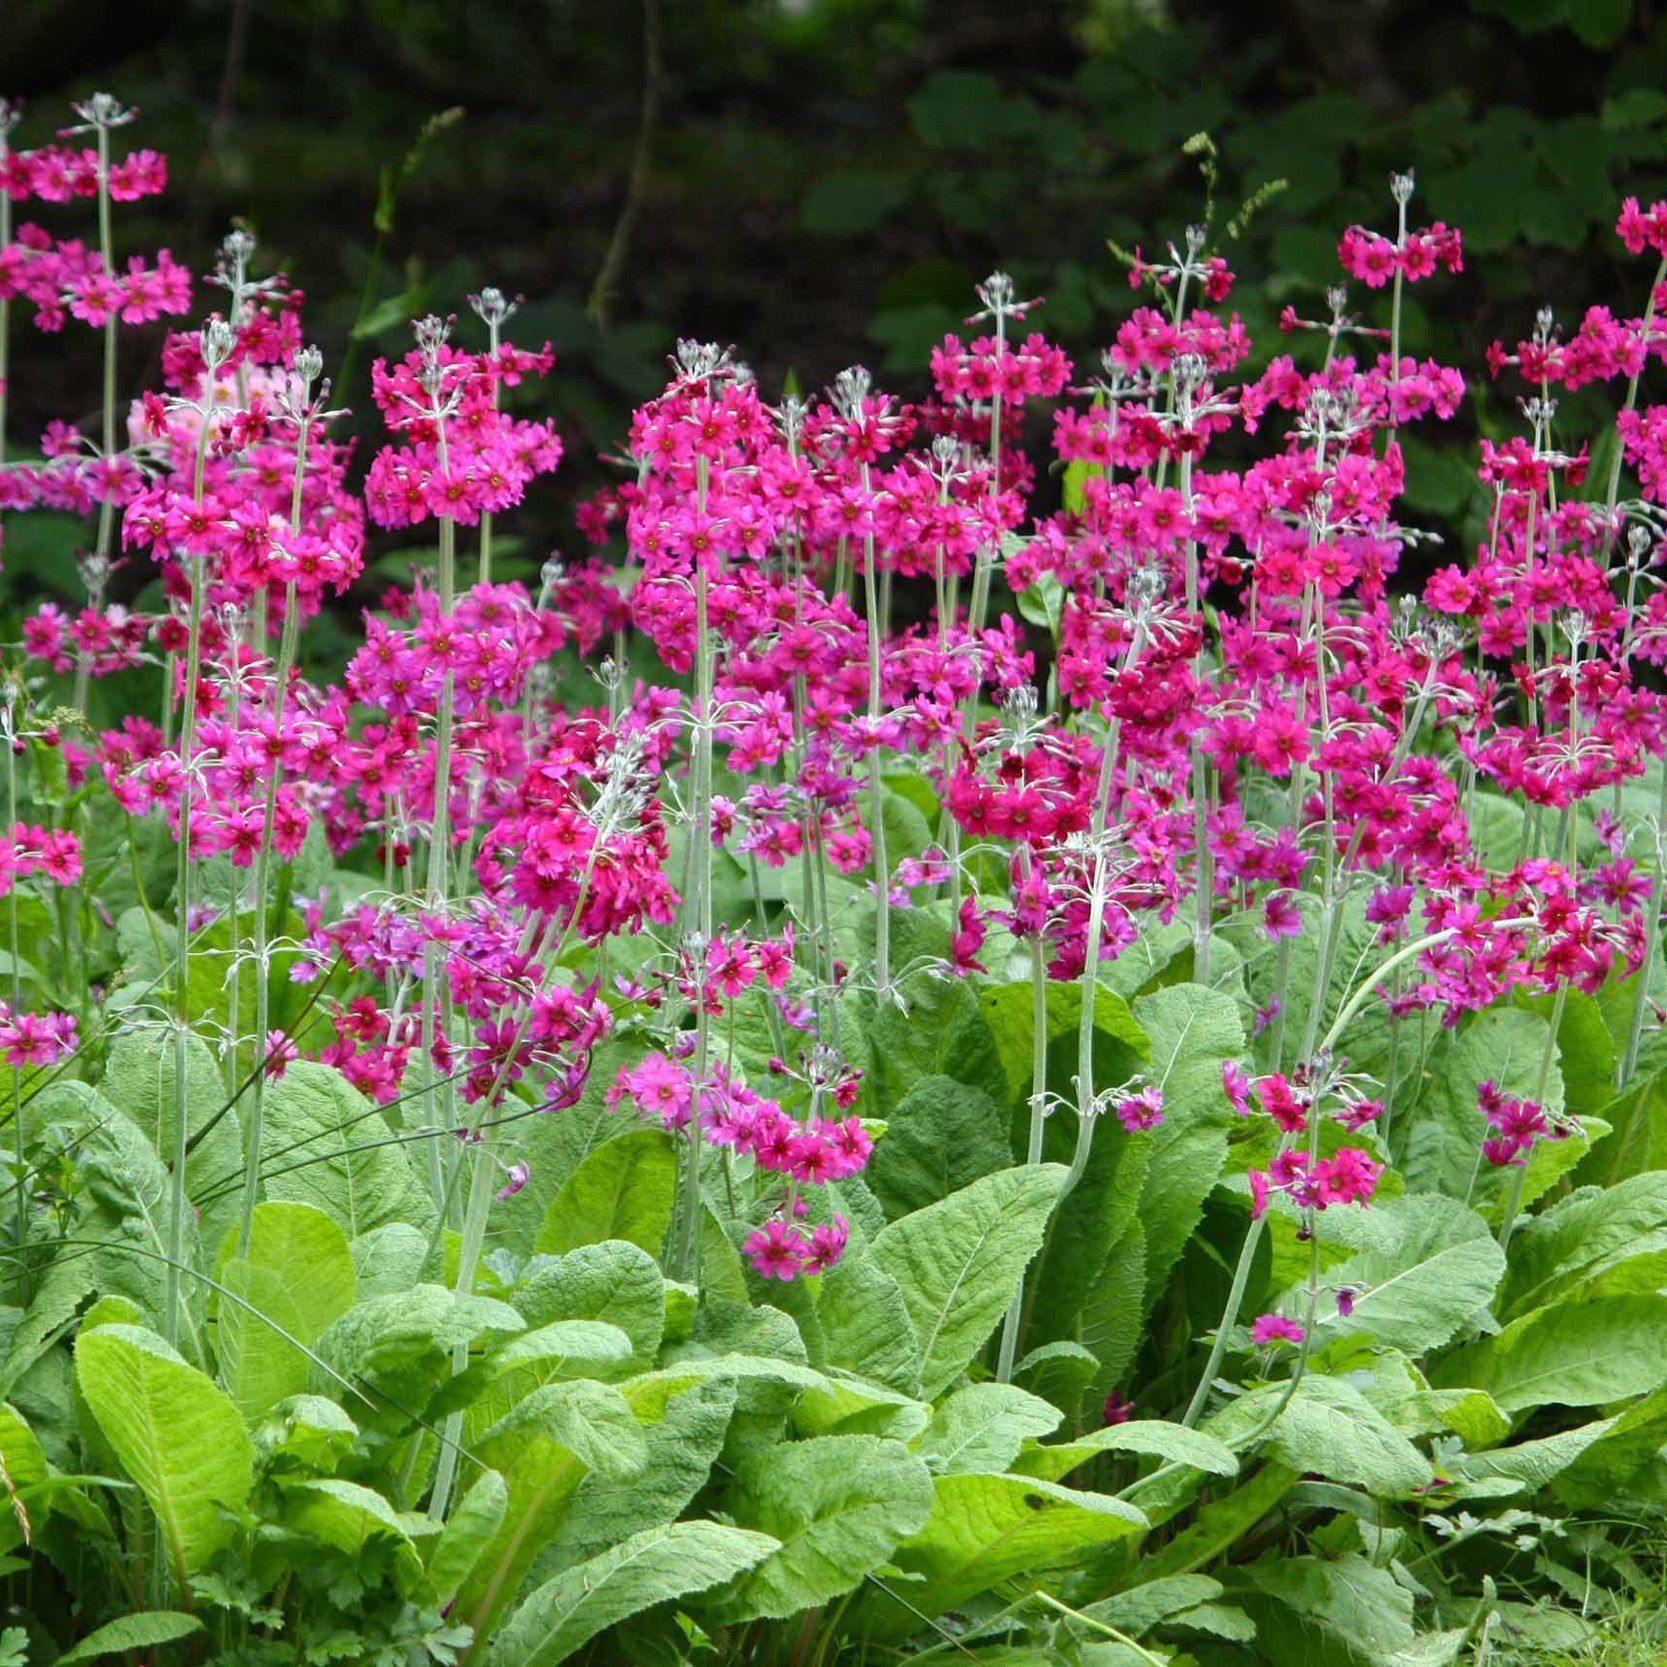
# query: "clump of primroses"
{"type": "Point", "coordinates": [859, 659]}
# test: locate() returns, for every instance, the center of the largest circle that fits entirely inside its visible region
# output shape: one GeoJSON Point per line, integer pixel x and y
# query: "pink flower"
{"type": "Point", "coordinates": [777, 1250]}
{"type": "Point", "coordinates": [1275, 1328]}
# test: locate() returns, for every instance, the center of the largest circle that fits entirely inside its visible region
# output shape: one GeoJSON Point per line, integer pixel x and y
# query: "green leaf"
{"type": "Point", "coordinates": [1193, 1031]}
{"type": "Point", "coordinates": [347, 1516]}
{"type": "Point", "coordinates": [299, 1273]}
{"type": "Point", "coordinates": [323, 1143]}
{"type": "Point", "coordinates": [959, 1262]}
{"type": "Point", "coordinates": [1433, 1268]}
{"type": "Point", "coordinates": [133, 1632]}
{"type": "Point", "coordinates": [851, 200]}
{"type": "Point", "coordinates": [1172, 1442]}
{"type": "Point", "coordinates": [1221, 1523]}
{"type": "Point", "coordinates": [614, 1281]}
{"type": "Point", "coordinates": [1330, 1429]}
{"type": "Point", "coordinates": [312, 1432]}
{"type": "Point", "coordinates": [1141, 1608]}
{"type": "Point", "coordinates": [1591, 1233]}
{"type": "Point", "coordinates": [982, 1428]}
{"type": "Point", "coordinates": [941, 1136]}
{"type": "Point", "coordinates": [1446, 1127]}
{"type": "Point", "coordinates": [139, 1081]}
{"type": "Point", "coordinates": [967, 108]}
{"type": "Point", "coordinates": [389, 1259]}
{"type": "Point", "coordinates": [401, 1346]}
{"type": "Point", "coordinates": [1007, 1010]}
{"type": "Point", "coordinates": [624, 1190]}
{"type": "Point", "coordinates": [543, 1450]}
{"type": "Point", "coordinates": [864, 1323]}
{"type": "Point", "coordinates": [986, 1530]}
{"type": "Point", "coordinates": [478, 1515]}
{"type": "Point", "coordinates": [1570, 1354]}
{"type": "Point", "coordinates": [23, 1471]}
{"type": "Point", "coordinates": [652, 1567]}
{"type": "Point", "coordinates": [1364, 1607]}
{"type": "Point", "coordinates": [837, 1504]}
{"type": "Point", "coordinates": [682, 1445]}
{"type": "Point", "coordinates": [174, 1432]}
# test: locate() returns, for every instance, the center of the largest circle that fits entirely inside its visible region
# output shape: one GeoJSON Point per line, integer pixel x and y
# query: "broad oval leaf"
{"type": "Point", "coordinates": [623, 1190]}
{"type": "Point", "coordinates": [838, 1505]}
{"type": "Point", "coordinates": [652, 1567]}
{"type": "Point", "coordinates": [982, 1428]}
{"type": "Point", "coordinates": [959, 1262]}
{"type": "Point", "coordinates": [299, 1273]}
{"type": "Point", "coordinates": [1575, 1354]}
{"type": "Point", "coordinates": [174, 1431]}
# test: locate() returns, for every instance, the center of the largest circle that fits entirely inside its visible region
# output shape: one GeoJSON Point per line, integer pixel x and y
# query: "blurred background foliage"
{"type": "Point", "coordinates": [822, 181]}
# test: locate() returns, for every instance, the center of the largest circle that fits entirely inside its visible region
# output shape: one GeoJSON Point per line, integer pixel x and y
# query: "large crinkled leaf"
{"type": "Point", "coordinates": [1136, 1611]}
{"type": "Point", "coordinates": [682, 1445]}
{"type": "Point", "coordinates": [543, 1450]}
{"type": "Point", "coordinates": [477, 1516]}
{"type": "Point", "coordinates": [959, 1262]}
{"type": "Point", "coordinates": [1193, 1031]}
{"type": "Point", "coordinates": [1444, 1126]}
{"type": "Point", "coordinates": [390, 1258]}
{"type": "Point", "coordinates": [401, 1346]}
{"type": "Point", "coordinates": [655, 1566]}
{"type": "Point", "coordinates": [1330, 1429]}
{"type": "Point", "coordinates": [864, 1323]}
{"type": "Point", "coordinates": [123, 1209]}
{"type": "Point", "coordinates": [1173, 1443]}
{"type": "Point", "coordinates": [1347, 1600]}
{"type": "Point", "coordinates": [349, 1517]}
{"type": "Point", "coordinates": [982, 1428]}
{"type": "Point", "coordinates": [623, 1190]}
{"type": "Point", "coordinates": [139, 1081]}
{"type": "Point", "coordinates": [985, 1530]}
{"type": "Point", "coordinates": [1531, 1464]}
{"type": "Point", "coordinates": [838, 1505]}
{"type": "Point", "coordinates": [1581, 1237]}
{"type": "Point", "coordinates": [942, 1032]}
{"type": "Point", "coordinates": [299, 1273]}
{"type": "Point", "coordinates": [174, 1432]}
{"type": "Point", "coordinates": [614, 1281]}
{"type": "Point", "coordinates": [1433, 1267]}
{"type": "Point", "coordinates": [323, 1143]}
{"type": "Point", "coordinates": [941, 1136]}
{"type": "Point", "coordinates": [562, 1349]}
{"type": "Point", "coordinates": [1571, 1354]}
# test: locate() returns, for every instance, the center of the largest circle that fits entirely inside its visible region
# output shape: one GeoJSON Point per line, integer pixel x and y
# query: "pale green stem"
{"type": "Point", "coordinates": [254, 1134]}
{"type": "Point", "coordinates": [1652, 942]}
{"type": "Point", "coordinates": [700, 832]}
{"type": "Point", "coordinates": [876, 778]}
{"type": "Point", "coordinates": [1038, 1123]}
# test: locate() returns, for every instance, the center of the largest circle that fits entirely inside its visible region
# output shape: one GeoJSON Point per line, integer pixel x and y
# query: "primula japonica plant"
{"type": "Point", "coordinates": [1052, 1075]}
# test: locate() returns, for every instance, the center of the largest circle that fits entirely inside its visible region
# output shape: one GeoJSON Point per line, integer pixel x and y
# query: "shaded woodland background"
{"type": "Point", "coordinates": [821, 182]}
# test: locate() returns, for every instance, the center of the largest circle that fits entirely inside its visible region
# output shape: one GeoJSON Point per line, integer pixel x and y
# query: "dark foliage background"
{"type": "Point", "coordinates": [822, 181]}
